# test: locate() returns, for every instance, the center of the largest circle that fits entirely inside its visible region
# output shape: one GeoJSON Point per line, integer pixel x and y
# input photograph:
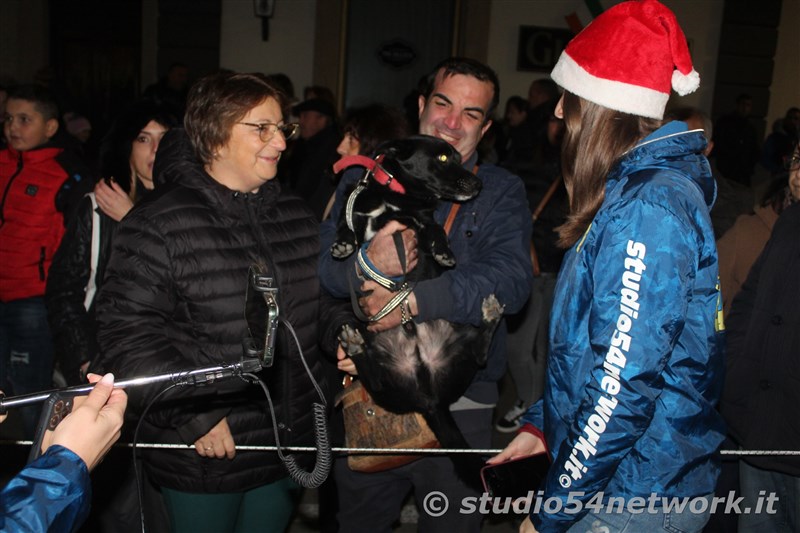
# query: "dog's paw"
{"type": "Point", "coordinates": [342, 249]}
{"type": "Point", "coordinates": [352, 341]}
{"type": "Point", "coordinates": [445, 259]}
{"type": "Point", "coordinates": [492, 309]}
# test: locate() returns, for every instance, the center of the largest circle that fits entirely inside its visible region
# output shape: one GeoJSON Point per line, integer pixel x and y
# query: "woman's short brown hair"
{"type": "Point", "coordinates": [217, 102]}
{"type": "Point", "coordinates": [596, 138]}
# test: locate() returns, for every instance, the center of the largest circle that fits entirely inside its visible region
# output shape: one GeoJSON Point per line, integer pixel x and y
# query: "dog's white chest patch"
{"type": "Point", "coordinates": [372, 216]}
{"type": "Point", "coordinates": [432, 342]}
{"type": "Point", "coordinates": [429, 347]}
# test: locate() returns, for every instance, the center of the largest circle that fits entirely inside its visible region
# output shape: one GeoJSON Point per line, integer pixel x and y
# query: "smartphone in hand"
{"type": "Point", "coordinates": [515, 478]}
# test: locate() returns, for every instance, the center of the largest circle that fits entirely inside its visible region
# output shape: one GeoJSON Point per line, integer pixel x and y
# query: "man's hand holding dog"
{"type": "Point", "coordinates": [374, 297]}
{"type": "Point", "coordinates": [383, 252]}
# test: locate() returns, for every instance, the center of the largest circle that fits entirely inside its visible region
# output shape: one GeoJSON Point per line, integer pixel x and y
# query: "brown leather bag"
{"type": "Point", "coordinates": [368, 425]}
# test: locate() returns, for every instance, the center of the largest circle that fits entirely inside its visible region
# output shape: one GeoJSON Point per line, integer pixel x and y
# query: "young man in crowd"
{"type": "Point", "coordinates": [39, 180]}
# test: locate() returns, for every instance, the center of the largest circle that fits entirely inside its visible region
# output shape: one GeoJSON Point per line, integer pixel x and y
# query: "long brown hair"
{"type": "Point", "coordinates": [596, 138]}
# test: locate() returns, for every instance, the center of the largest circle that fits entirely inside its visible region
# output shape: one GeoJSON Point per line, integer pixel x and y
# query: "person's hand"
{"type": "Point", "coordinates": [83, 369]}
{"type": "Point", "coordinates": [217, 443]}
{"type": "Point", "coordinates": [375, 297]}
{"type": "Point", "coordinates": [113, 201]}
{"type": "Point", "coordinates": [3, 417]}
{"type": "Point", "coordinates": [382, 251]}
{"type": "Point", "coordinates": [344, 363]}
{"type": "Point", "coordinates": [527, 526]}
{"type": "Point", "coordinates": [94, 424]}
{"type": "Point", "coordinates": [523, 445]}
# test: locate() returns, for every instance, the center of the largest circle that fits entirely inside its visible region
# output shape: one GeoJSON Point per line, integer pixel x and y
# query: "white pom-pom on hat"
{"type": "Point", "coordinates": [685, 83]}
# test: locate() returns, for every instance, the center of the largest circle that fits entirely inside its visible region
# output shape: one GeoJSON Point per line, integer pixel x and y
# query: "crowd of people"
{"type": "Point", "coordinates": [620, 235]}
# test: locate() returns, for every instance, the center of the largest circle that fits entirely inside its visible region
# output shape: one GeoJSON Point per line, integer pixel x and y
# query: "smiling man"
{"type": "Point", "coordinates": [490, 238]}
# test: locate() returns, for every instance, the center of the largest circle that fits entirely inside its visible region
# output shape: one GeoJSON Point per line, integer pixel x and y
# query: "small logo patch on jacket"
{"type": "Point", "coordinates": [31, 190]}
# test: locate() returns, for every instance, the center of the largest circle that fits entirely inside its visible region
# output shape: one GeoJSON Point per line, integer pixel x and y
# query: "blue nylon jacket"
{"type": "Point", "coordinates": [635, 367]}
{"type": "Point", "coordinates": [490, 239]}
{"type": "Point", "coordinates": [53, 493]}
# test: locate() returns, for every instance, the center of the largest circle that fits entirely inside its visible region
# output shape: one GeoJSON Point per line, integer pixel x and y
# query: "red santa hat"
{"type": "Point", "coordinates": [628, 58]}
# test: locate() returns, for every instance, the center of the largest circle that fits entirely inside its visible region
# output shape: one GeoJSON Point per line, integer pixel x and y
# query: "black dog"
{"type": "Point", "coordinates": [428, 366]}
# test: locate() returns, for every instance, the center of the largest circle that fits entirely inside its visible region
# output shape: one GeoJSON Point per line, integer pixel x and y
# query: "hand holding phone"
{"type": "Point", "coordinates": [515, 478]}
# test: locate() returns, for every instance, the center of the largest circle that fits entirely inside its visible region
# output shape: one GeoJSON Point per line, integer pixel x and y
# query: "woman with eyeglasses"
{"type": "Point", "coordinates": [741, 245]}
{"type": "Point", "coordinates": [174, 299]}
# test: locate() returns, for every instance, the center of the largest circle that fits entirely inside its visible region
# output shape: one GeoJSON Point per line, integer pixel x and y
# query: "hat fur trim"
{"type": "Point", "coordinates": [628, 98]}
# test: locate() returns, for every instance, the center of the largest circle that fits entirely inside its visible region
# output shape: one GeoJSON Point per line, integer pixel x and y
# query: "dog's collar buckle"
{"type": "Point", "coordinates": [384, 177]}
{"type": "Point", "coordinates": [374, 168]}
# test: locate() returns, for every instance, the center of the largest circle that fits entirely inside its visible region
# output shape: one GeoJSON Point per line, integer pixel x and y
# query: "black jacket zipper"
{"type": "Point", "coordinates": [262, 244]}
{"type": "Point", "coordinates": [8, 188]}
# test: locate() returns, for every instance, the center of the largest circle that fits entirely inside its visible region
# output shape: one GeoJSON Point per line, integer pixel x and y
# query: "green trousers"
{"type": "Point", "coordinates": [265, 509]}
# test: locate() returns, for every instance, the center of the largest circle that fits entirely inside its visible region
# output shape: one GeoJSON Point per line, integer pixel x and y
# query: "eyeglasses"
{"type": "Point", "coordinates": [792, 163]}
{"type": "Point", "coordinates": [267, 130]}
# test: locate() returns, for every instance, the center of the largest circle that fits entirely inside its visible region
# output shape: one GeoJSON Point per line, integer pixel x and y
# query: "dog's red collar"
{"type": "Point", "coordinates": [374, 167]}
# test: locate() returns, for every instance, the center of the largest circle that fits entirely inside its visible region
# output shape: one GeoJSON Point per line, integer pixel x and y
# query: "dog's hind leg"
{"type": "Point", "coordinates": [492, 311]}
{"type": "Point", "coordinates": [467, 465]}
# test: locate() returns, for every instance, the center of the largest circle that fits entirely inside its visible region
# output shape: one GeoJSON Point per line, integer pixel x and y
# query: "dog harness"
{"type": "Point", "coordinates": [374, 167]}
{"type": "Point", "coordinates": [393, 284]}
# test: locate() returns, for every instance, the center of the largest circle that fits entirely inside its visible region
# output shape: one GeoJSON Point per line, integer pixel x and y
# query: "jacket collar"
{"type": "Point", "coordinates": [671, 147]}
{"type": "Point", "coordinates": [42, 153]}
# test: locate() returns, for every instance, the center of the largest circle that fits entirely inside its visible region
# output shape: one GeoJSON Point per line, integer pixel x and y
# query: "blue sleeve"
{"type": "Point", "coordinates": [334, 273]}
{"type": "Point", "coordinates": [498, 262]}
{"type": "Point", "coordinates": [645, 263]}
{"type": "Point", "coordinates": [53, 493]}
{"type": "Point", "coordinates": [535, 415]}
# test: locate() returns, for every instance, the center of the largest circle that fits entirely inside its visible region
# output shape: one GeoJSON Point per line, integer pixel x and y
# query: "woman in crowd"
{"type": "Point", "coordinates": [127, 157]}
{"type": "Point", "coordinates": [528, 329]}
{"type": "Point", "coordinates": [635, 364]}
{"type": "Point", "coordinates": [367, 127]}
{"type": "Point", "coordinates": [739, 247]}
{"type": "Point", "coordinates": [174, 299]}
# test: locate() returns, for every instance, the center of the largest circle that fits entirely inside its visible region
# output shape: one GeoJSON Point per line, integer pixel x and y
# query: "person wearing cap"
{"type": "Point", "coordinates": [635, 366]}
{"type": "Point", "coordinates": [314, 153]}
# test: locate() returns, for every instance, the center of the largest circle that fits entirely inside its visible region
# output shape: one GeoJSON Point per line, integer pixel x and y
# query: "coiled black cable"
{"type": "Point", "coordinates": [324, 460]}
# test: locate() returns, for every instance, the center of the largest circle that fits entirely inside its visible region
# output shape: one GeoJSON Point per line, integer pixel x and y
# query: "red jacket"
{"type": "Point", "coordinates": [31, 224]}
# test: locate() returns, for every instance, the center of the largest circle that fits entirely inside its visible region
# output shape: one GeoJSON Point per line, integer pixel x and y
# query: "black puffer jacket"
{"type": "Point", "coordinates": [173, 298]}
{"type": "Point", "coordinates": [74, 327]}
{"type": "Point", "coordinates": [762, 384]}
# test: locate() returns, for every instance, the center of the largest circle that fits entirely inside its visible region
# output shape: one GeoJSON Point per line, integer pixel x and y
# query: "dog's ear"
{"type": "Point", "coordinates": [395, 149]}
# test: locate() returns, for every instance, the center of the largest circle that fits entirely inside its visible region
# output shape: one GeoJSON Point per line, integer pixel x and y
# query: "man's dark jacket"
{"type": "Point", "coordinates": [762, 386]}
